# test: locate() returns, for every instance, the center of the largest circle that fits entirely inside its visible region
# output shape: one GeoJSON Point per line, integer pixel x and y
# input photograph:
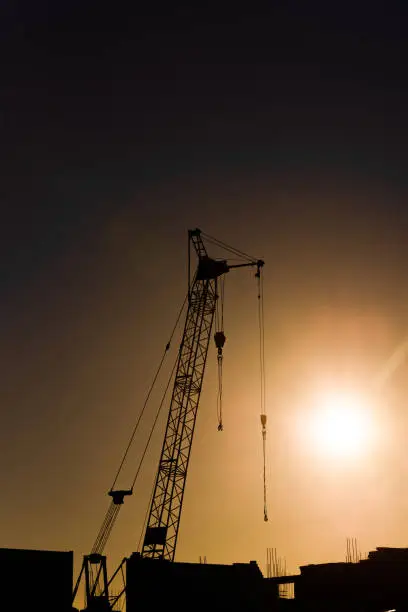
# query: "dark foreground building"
{"type": "Point", "coordinates": [35, 580]}
{"type": "Point", "coordinates": [376, 584]}
{"type": "Point", "coordinates": [161, 585]}
{"type": "Point", "coordinates": [42, 580]}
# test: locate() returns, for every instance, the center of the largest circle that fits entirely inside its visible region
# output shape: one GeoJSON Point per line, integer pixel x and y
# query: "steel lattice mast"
{"type": "Point", "coordinates": [164, 516]}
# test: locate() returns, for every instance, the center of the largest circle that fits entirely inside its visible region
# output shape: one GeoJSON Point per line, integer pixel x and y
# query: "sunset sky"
{"type": "Point", "coordinates": [281, 132]}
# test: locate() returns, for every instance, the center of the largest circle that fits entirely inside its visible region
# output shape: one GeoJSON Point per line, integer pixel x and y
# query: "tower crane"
{"type": "Point", "coordinates": [164, 517]}
{"type": "Point", "coordinates": [160, 538]}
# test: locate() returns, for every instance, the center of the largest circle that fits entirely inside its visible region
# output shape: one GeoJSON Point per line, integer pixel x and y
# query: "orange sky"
{"type": "Point", "coordinates": [78, 364]}
{"type": "Point", "coordinates": [281, 132]}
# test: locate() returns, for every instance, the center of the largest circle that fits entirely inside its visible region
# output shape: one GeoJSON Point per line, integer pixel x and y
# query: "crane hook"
{"type": "Point", "coordinates": [219, 338]}
{"type": "Point", "coordinates": [263, 423]}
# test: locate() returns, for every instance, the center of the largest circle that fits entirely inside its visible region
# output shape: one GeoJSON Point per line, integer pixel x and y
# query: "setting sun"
{"type": "Point", "coordinates": [341, 424]}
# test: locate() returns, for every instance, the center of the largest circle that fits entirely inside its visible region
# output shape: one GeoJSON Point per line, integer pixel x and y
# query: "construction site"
{"type": "Point", "coordinates": [151, 577]}
{"type": "Point", "coordinates": [376, 584]}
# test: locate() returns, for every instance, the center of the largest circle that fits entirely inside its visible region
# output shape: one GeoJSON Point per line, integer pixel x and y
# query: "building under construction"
{"type": "Point", "coordinates": [376, 584]}
{"type": "Point", "coordinates": [240, 586]}
{"type": "Point", "coordinates": [42, 580]}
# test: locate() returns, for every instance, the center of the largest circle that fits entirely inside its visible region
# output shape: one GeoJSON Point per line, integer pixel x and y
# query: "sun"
{"type": "Point", "coordinates": [341, 424]}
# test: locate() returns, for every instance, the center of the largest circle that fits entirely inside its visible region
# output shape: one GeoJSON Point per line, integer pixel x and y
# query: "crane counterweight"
{"type": "Point", "coordinates": [211, 268]}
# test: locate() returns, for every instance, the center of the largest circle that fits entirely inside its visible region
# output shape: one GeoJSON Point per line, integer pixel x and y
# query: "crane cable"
{"type": "Point", "coordinates": [219, 338]}
{"type": "Point", "coordinates": [262, 376]}
{"type": "Point", "coordinates": [155, 422]}
{"type": "Point", "coordinates": [229, 248]}
{"type": "Point", "coordinates": [147, 445]}
{"type": "Point", "coordinates": [167, 347]}
{"type": "Point", "coordinates": [118, 496]}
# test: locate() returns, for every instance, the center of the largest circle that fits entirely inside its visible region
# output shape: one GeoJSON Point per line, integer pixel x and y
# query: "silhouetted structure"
{"type": "Point", "coordinates": [161, 584]}
{"type": "Point", "coordinates": [375, 584]}
{"type": "Point", "coordinates": [43, 580]}
{"type": "Point", "coordinates": [276, 571]}
{"type": "Point", "coordinates": [163, 521]}
{"type": "Point", "coordinates": [36, 580]}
